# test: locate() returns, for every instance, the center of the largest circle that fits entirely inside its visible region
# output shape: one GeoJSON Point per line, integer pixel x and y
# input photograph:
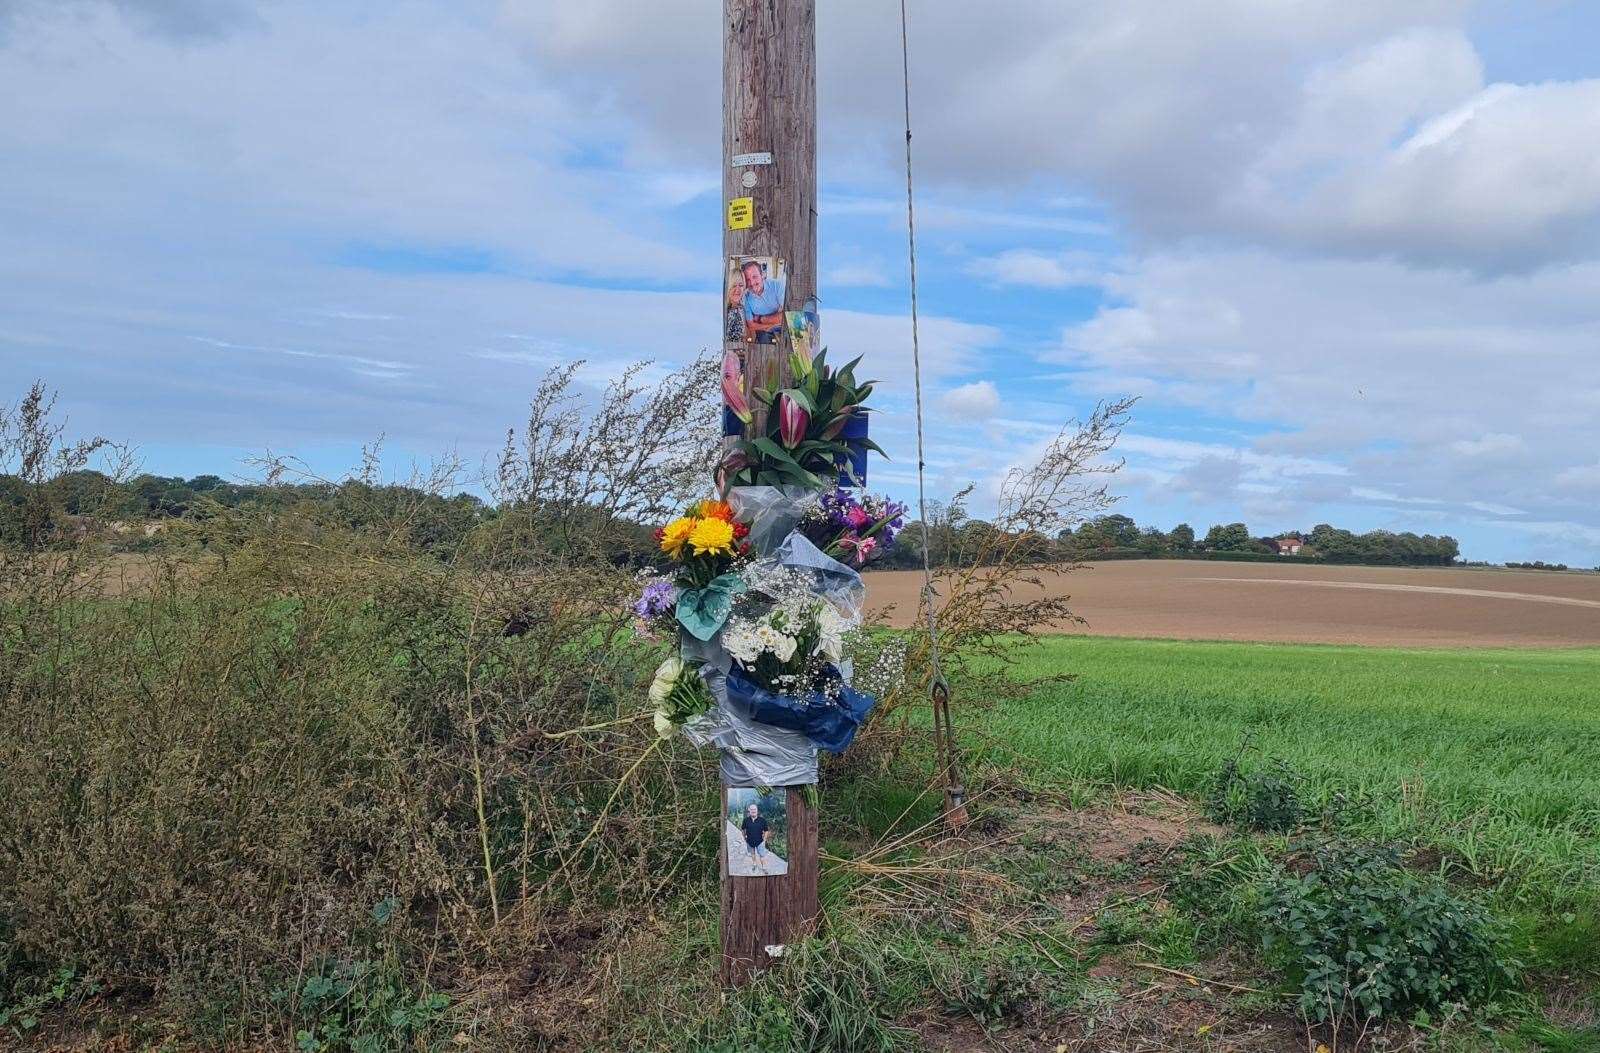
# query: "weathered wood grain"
{"type": "Point", "coordinates": [769, 96]}
{"type": "Point", "coordinates": [769, 105]}
{"type": "Point", "coordinates": [762, 912]}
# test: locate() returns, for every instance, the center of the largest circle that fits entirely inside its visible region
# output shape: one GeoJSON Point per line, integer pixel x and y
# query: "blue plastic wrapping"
{"type": "Point", "coordinates": [752, 753]}
{"type": "Point", "coordinates": [829, 722]}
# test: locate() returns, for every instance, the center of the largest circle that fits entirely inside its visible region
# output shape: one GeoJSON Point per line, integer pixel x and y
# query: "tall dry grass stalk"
{"type": "Point", "coordinates": [368, 730]}
{"type": "Point", "coordinates": [990, 576]}
{"type": "Point", "coordinates": [220, 763]}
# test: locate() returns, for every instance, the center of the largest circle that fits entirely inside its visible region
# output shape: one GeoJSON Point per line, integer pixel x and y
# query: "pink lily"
{"type": "Point", "coordinates": [863, 547]}
{"type": "Point", "coordinates": [792, 421]}
{"type": "Point", "coordinates": [733, 387]}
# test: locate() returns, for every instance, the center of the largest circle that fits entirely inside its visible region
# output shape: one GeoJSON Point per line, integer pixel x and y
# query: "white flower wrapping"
{"type": "Point", "coordinates": [776, 616]}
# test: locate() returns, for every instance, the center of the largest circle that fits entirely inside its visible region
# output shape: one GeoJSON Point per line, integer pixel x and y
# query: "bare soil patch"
{"type": "Point", "coordinates": [1130, 1002]}
{"type": "Point", "coordinates": [1303, 603]}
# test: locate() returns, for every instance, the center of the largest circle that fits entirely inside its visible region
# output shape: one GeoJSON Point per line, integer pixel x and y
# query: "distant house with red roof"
{"type": "Point", "coordinates": [1289, 546]}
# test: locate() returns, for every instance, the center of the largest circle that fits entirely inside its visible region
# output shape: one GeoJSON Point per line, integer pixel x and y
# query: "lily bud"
{"type": "Point", "coordinates": [836, 425]}
{"type": "Point", "coordinates": [733, 387]}
{"type": "Point", "coordinates": [792, 421]}
{"type": "Point", "coordinates": [731, 465]}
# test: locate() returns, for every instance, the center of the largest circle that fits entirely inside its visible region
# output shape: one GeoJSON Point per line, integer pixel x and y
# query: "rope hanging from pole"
{"type": "Point", "coordinates": [955, 811]}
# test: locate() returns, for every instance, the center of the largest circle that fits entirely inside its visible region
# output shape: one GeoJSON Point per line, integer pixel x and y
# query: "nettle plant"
{"type": "Point", "coordinates": [804, 441]}
{"type": "Point", "coordinates": [1268, 800]}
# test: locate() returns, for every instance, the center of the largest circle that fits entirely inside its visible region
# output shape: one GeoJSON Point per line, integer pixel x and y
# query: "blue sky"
{"type": "Point", "coordinates": [1345, 251]}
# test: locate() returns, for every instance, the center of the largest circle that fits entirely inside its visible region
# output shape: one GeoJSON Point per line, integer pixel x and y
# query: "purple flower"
{"type": "Point", "coordinates": [658, 597]}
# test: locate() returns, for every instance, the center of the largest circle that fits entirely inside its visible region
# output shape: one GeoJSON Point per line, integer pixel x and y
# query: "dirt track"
{"type": "Point", "coordinates": [1301, 603]}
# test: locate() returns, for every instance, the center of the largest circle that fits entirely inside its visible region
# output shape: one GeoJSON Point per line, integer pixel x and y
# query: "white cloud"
{"type": "Point", "coordinates": [309, 127]}
{"type": "Point", "coordinates": [1581, 480]}
{"type": "Point", "coordinates": [1493, 509]}
{"type": "Point", "coordinates": [1427, 386]}
{"type": "Point", "coordinates": [1357, 126]}
{"type": "Point", "coordinates": [859, 276]}
{"type": "Point", "coordinates": [1510, 179]}
{"type": "Point", "coordinates": [1494, 444]}
{"type": "Point", "coordinates": [1555, 541]}
{"type": "Point", "coordinates": [1041, 270]}
{"type": "Point", "coordinates": [977, 401]}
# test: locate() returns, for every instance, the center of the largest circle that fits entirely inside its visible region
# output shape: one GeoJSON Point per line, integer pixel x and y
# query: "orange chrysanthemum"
{"type": "Point", "coordinates": [715, 510]}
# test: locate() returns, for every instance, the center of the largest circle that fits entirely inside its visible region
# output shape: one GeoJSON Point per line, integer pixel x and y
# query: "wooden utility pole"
{"type": "Point", "coordinates": [769, 121]}
{"type": "Point", "coordinates": [769, 180]}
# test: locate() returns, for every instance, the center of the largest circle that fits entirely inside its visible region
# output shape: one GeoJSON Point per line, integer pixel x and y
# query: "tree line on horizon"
{"type": "Point", "coordinates": [1120, 537]}
{"type": "Point", "coordinates": [130, 508]}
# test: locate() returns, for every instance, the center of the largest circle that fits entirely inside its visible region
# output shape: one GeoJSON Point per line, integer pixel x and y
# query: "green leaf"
{"type": "Point", "coordinates": [826, 448]}
{"type": "Point", "coordinates": [804, 400]}
{"type": "Point", "coordinates": [775, 452]}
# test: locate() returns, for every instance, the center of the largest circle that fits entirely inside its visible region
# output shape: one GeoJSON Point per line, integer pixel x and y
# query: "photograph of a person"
{"type": "Point", "coordinates": [756, 830]}
{"type": "Point", "coordinates": [756, 286]}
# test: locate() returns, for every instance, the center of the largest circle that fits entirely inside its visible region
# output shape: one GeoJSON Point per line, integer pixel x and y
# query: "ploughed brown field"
{"type": "Point", "coordinates": [1306, 603]}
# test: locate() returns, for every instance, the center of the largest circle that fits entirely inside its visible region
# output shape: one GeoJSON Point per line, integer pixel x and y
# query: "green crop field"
{"type": "Point", "coordinates": [1493, 756]}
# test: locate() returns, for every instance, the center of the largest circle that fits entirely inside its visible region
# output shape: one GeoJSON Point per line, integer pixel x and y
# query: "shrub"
{"type": "Point", "coordinates": [219, 758]}
{"type": "Point", "coordinates": [1362, 937]}
{"type": "Point", "coordinates": [1267, 800]}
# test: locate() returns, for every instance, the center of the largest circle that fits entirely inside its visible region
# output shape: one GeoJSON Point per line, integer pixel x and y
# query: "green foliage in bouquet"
{"type": "Point", "coordinates": [802, 443]}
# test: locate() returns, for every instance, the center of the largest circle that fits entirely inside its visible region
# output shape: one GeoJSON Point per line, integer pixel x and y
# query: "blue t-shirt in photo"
{"type": "Point", "coordinates": [769, 302]}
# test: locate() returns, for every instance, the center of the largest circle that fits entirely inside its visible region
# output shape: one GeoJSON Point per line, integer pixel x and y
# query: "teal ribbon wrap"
{"type": "Point", "coordinates": [703, 611]}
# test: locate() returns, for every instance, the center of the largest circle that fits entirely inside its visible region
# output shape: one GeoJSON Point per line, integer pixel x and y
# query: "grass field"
{"type": "Point", "coordinates": [1492, 755]}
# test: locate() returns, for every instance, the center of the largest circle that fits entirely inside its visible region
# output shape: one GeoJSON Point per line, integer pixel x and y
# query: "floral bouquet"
{"type": "Point", "coordinates": [803, 443]}
{"type": "Point", "coordinates": [786, 643]}
{"type": "Point", "coordinates": [705, 543]}
{"type": "Point", "coordinates": [707, 546]}
{"type": "Point", "coordinates": [784, 637]}
{"type": "Point", "coordinates": [852, 529]}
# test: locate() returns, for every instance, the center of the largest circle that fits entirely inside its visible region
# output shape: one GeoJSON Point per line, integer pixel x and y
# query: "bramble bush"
{"type": "Point", "coordinates": [1363, 937]}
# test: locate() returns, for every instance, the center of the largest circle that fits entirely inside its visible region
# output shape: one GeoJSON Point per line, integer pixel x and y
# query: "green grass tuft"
{"type": "Point", "coordinates": [1492, 756]}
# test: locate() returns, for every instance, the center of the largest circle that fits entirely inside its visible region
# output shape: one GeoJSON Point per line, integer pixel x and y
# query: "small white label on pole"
{"type": "Point", "coordinates": [763, 158]}
{"type": "Point", "coordinates": [748, 179]}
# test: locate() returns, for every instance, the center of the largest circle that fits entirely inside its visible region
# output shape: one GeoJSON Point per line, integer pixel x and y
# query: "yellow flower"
{"type": "Point", "coordinates": [711, 536]}
{"type": "Point", "coordinates": [675, 533]}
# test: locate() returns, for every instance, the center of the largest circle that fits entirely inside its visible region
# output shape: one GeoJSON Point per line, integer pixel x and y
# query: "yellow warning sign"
{"type": "Point", "coordinates": [741, 213]}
